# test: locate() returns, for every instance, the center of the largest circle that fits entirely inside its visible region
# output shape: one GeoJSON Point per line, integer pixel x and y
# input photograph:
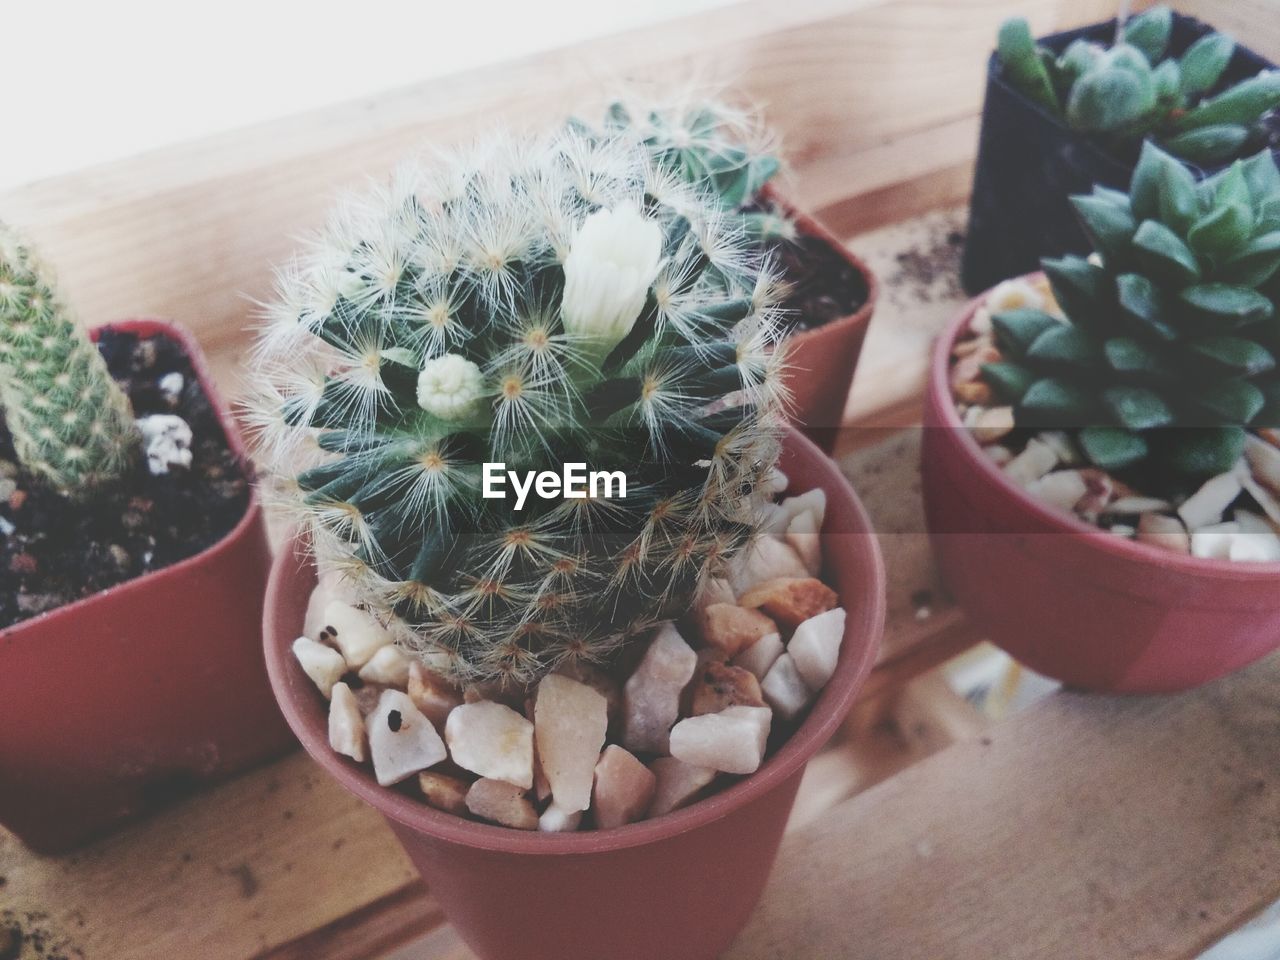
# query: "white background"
{"type": "Point", "coordinates": [88, 82]}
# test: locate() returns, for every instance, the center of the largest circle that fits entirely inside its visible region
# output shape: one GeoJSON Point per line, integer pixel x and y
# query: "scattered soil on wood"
{"type": "Point", "coordinates": [28, 937]}
{"type": "Point", "coordinates": [53, 552]}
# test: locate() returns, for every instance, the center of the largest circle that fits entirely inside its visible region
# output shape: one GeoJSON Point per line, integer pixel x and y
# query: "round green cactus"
{"type": "Point", "coordinates": [70, 421]}
{"type": "Point", "coordinates": [1169, 352]}
{"type": "Point", "coordinates": [712, 146]}
{"type": "Point", "coordinates": [532, 303]}
{"type": "Point", "coordinates": [1133, 89]}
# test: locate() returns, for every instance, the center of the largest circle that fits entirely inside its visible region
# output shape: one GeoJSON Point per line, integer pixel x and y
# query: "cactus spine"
{"type": "Point", "coordinates": [70, 421]}
{"type": "Point", "coordinates": [530, 302]}
{"type": "Point", "coordinates": [712, 146]}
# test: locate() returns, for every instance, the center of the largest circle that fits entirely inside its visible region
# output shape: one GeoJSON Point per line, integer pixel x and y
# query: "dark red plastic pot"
{"type": "Point", "coordinates": [1072, 601]}
{"type": "Point", "coordinates": [123, 699]}
{"type": "Point", "coordinates": [821, 361]}
{"type": "Point", "coordinates": [677, 887]}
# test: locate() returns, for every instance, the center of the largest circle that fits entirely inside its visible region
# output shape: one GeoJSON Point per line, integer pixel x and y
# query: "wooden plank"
{"type": "Point", "coordinates": [284, 864]}
{"type": "Point", "coordinates": [1088, 827]}
{"type": "Point", "coordinates": [858, 88]}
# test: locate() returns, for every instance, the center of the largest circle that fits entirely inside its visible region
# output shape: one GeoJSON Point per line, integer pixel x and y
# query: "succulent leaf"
{"type": "Point", "coordinates": [1169, 349]}
{"type": "Point", "coordinates": [1137, 88]}
{"type": "Point", "coordinates": [1149, 32]}
{"type": "Point", "coordinates": [1018, 54]}
{"type": "Point", "coordinates": [1201, 67]}
{"type": "Point", "coordinates": [1209, 144]}
{"type": "Point", "coordinates": [1243, 104]}
{"type": "Point", "coordinates": [1113, 448]}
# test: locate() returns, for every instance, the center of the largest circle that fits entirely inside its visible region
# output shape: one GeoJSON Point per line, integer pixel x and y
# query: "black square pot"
{"type": "Point", "coordinates": [1030, 163]}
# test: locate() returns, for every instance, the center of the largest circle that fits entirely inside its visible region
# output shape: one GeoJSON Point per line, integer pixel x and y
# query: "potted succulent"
{"type": "Point", "coordinates": [134, 565]}
{"type": "Point", "coordinates": [829, 293]}
{"type": "Point", "coordinates": [585, 714]}
{"type": "Point", "coordinates": [1102, 468]}
{"type": "Point", "coordinates": [1073, 110]}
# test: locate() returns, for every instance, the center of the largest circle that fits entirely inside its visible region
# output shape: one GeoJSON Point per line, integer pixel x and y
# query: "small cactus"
{"type": "Point", "coordinates": [1169, 352]}
{"type": "Point", "coordinates": [531, 302]}
{"type": "Point", "coordinates": [712, 146]}
{"type": "Point", "coordinates": [1132, 89]}
{"type": "Point", "coordinates": [71, 423]}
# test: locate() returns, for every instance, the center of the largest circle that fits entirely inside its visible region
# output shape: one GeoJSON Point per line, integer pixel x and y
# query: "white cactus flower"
{"type": "Point", "coordinates": [611, 264]}
{"type": "Point", "coordinates": [449, 386]}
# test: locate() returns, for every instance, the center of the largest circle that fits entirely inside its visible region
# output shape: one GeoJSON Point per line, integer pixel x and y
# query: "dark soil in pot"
{"type": "Point", "coordinates": [824, 285]}
{"type": "Point", "coordinates": [53, 552]}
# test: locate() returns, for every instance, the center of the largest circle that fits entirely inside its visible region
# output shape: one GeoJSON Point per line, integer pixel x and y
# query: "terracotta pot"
{"type": "Point", "coordinates": [125, 698]}
{"type": "Point", "coordinates": [822, 360]}
{"type": "Point", "coordinates": [677, 887]}
{"type": "Point", "coordinates": [1068, 599]}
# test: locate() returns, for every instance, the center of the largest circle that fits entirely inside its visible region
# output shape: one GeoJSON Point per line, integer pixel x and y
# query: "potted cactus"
{"type": "Point", "coordinates": [135, 562]}
{"type": "Point", "coordinates": [1103, 485]}
{"type": "Point", "coordinates": [1073, 110]}
{"type": "Point", "coordinates": [567, 700]}
{"type": "Point", "coordinates": [829, 293]}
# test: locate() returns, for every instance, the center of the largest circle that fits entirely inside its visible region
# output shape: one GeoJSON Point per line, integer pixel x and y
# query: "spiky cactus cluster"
{"type": "Point", "coordinates": [712, 146]}
{"type": "Point", "coordinates": [71, 423]}
{"type": "Point", "coordinates": [532, 302]}
{"type": "Point", "coordinates": [1169, 352]}
{"type": "Point", "coordinates": [1133, 89]}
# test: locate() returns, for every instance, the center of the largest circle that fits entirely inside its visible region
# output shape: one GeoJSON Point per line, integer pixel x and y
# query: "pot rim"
{"type": "Point", "coordinates": [860, 647]}
{"type": "Point", "coordinates": [152, 326]}
{"type": "Point", "coordinates": [1065, 523]}
{"type": "Point", "coordinates": [809, 225]}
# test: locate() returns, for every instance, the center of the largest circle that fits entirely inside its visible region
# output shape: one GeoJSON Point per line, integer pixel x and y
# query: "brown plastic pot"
{"type": "Point", "coordinates": [678, 887]}
{"type": "Point", "coordinates": [822, 360]}
{"type": "Point", "coordinates": [116, 702]}
{"type": "Point", "coordinates": [1069, 600]}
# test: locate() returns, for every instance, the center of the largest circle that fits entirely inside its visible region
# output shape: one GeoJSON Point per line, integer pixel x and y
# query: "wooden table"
{"type": "Point", "coordinates": [1084, 827]}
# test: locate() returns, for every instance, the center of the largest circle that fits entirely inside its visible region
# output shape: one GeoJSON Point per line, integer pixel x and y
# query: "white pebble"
{"type": "Point", "coordinates": [492, 740]}
{"type": "Point", "coordinates": [815, 647]}
{"type": "Point", "coordinates": [784, 689]}
{"type": "Point", "coordinates": [651, 697]}
{"type": "Point", "coordinates": [555, 820]}
{"type": "Point", "coordinates": [357, 634]}
{"type": "Point", "coordinates": [765, 559]}
{"type": "Point", "coordinates": [324, 665]}
{"type": "Point", "coordinates": [678, 783]}
{"type": "Point", "coordinates": [1257, 541]}
{"type": "Point", "coordinates": [171, 385]}
{"type": "Point", "coordinates": [1214, 542]}
{"type": "Point", "coordinates": [402, 741]}
{"type": "Point", "coordinates": [803, 537]}
{"type": "Point", "coordinates": [387, 666]}
{"type": "Point", "coordinates": [1206, 506]}
{"type": "Point", "coordinates": [1062, 489]}
{"type": "Point", "coordinates": [760, 656]}
{"type": "Point", "coordinates": [731, 741]}
{"type": "Point", "coordinates": [1014, 294]}
{"type": "Point", "coordinates": [1036, 459]}
{"type": "Point", "coordinates": [167, 442]}
{"type": "Point", "coordinates": [814, 500]}
{"type": "Point", "coordinates": [346, 726]}
{"type": "Point", "coordinates": [569, 724]}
